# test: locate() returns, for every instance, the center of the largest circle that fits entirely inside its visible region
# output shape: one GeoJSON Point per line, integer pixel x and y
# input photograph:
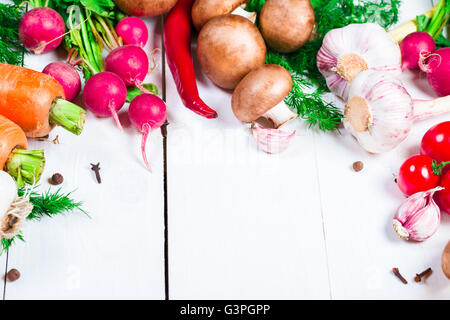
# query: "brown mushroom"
{"type": "Point", "coordinates": [261, 94]}
{"type": "Point", "coordinates": [228, 48]}
{"type": "Point", "coordinates": [446, 261]}
{"type": "Point", "coordinates": [147, 8]}
{"type": "Point", "coordinates": [287, 24]}
{"type": "Point", "coordinates": [205, 10]}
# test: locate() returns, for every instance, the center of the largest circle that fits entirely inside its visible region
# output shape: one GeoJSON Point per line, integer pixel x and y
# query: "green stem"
{"type": "Point", "coordinates": [438, 19]}
{"type": "Point", "coordinates": [25, 166]}
{"type": "Point", "coordinates": [110, 36]}
{"type": "Point", "coordinates": [67, 115]}
{"type": "Point", "coordinates": [437, 168]}
{"type": "Point", "coordinates": [133, 92]}
{"type": "Point", "coordinates": [87, 45]}
{"type": "Point", "coordinates": [96, 44]}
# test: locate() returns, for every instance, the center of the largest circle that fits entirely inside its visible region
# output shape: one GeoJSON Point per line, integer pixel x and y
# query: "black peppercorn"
{"type": "Point", "coordinates": [358, 166]}
{"type": "Point", "coordinates": [56, 179]}
{"type": "Point", "coordinates": [13, 275]}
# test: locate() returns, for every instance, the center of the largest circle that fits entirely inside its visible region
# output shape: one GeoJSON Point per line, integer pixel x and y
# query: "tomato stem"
{"type": "Point", "coordinates": [437, 168]}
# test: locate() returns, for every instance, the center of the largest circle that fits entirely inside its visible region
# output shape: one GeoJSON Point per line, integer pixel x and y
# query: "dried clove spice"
{"type": "Point", "coordinates": [423, 275]}
{"type": "Point", "coordinates": [13, 275]}
{"type": "Point", "coordinates": [56, 140]}
{"type": "Point", "coordinates": [57, 179]}
{"type": "Point", "coordinates": [96, 169]}
{"type": "Point", "coordinates": [398, 275]}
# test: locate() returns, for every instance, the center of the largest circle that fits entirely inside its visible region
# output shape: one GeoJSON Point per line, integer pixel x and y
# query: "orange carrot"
{"type": "Point", "coordinates": [24, 165]}
{"type": "Point", "coordinates": [35, 102]}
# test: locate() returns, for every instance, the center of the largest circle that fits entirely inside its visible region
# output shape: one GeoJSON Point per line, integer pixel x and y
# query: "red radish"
{"type": "Point", "coordinates": [437, 66]}
{"type": "Point", "coordinates": [133, 31]}
{"type": "Point", "coordinates": [414, 47]}
{"type": "Point", "coordinates": [130, 63]}
{"type": "Point", "coordinates": [41, 30]}
{"type": "Point", "coordinates": [67, 77]}
{"type": "Point", "coordinates": [147, 112]}
{"type": "Point", "coordinates": [105, 94]}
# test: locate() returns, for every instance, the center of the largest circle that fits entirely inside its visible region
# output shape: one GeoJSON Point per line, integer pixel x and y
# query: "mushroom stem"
{"type": "Point", "coordinates": [280, 115]}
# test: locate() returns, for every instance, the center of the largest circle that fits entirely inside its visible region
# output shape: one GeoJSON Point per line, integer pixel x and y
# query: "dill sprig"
{"type": "Point", "coordinates": [302, 64]}
{"type": "Point", "coordinates": [51, 204]}
{"type": "Point", "coordinates": [7, 243]}
{"type": "Point", "coordinates": [11, 49]}
{"type": "Point", "coordinates": [45, 205]}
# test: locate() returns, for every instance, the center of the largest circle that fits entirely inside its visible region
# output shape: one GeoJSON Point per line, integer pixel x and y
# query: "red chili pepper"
{"type": "Point", "coordinates": [177, 40]}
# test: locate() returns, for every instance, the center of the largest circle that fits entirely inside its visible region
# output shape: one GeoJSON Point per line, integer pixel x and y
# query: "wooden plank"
{"type": "Point", "coordinates": [118, 253]}
{"type": "Point", "coordinates": [243, 224]}
{"type": "Point", "coordinates": [359, 207]}
{"type": "Point", "coordinates": [3, 270]}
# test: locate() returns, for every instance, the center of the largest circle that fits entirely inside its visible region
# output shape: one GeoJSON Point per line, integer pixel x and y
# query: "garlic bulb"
{"type": "Point", "coordinates": [419, 217]}
{"type": "Point", "coordinates": [13, 209]}
{"type": "Point", "coordinates": [379, 112]}
{"type": "Point", "coordinates": [272, 140]}
{"type": "Point", "coordinates": [348, 51]}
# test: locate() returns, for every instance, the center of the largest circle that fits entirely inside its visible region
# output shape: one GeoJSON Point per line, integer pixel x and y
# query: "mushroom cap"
{"type": "Point", "coordinates": [260, 91]}
{"type": "Point", "coordinates": [287, 24]}
{"type": "Point", "coordinates": [205, 10]}
{"type": "Point", "coordinates": [228, 48]}
{"type": "Point", "coordinates": [146, 8]}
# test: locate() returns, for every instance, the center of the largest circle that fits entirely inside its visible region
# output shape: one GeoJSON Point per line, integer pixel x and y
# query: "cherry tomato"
{"type": "Point", "coordinates": [436, 142]}
{"type": "Point", "coordinates": [443, 197]}
{"type": "Point", "coordinates": [416, 175]}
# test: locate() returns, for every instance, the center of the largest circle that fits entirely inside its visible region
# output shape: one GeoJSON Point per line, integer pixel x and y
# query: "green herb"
{"type": "Point", "coordinates": [91, 26]}
{"type": "Point", "coordinates": [51, 204]}
{"type": "Point", "coordinates": [11, 49]}
{"type": "Point", "coordinates": [133, 92]}
{"type": "Point", "coordinates": [45, 205]}
{"type": "Point", "coordinates": [330, 14]}
{"type": "Point", "coordinates": [7, 243]}
{"type": "Point", "coordinates": [436, 24]}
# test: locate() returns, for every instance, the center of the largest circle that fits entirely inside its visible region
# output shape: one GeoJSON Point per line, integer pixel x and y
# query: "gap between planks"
{"type": "Point", "coordinates": [164, 134]}
{"type": "Point", "coordinates": [321, 214]}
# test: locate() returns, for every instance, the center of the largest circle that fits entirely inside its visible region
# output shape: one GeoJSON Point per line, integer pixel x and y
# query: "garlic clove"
{"type": "Point", "coordinates": [272, 141]}
{"type": "Point", "coordinates": [348, 51]}
{"type": "Point", "coordinates": [418, 217]}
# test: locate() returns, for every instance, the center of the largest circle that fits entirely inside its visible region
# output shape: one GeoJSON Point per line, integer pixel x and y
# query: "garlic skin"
{"type": "Point", "coordinates": [348, 51]}
{"type": "Point", "coordinates": [418, 217]}
{"type": "Point", "coordinates": [13, 209]}
{"type": "Point", "coordinates": [379, 111]}
{"type": "Point", "coordinates": [272, 141]}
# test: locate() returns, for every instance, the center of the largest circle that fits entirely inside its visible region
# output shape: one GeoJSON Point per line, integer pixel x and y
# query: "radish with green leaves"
{"type": "Point", "coordinates": [130, 63]}
{"type": "Point", "coordinates": [147, 112]}
{"type": "Point", "coordinates": [41, 30]}
{"type": "Point", "coordinates": [67, 77]}
{"type": "Point", "coordinates": [437, 67]}
{"type": "Point", "coordinates": [105, 94]}
{"type": "Point", "coordinates": [133, 31]}
{"type": "Point", "coordinates": [415, 47]}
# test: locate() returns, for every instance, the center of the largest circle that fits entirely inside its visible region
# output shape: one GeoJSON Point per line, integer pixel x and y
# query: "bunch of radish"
{"type": "Point", "coordinates": [42, 30]}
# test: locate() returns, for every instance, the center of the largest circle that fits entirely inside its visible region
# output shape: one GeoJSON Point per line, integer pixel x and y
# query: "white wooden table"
{"type": "Point", "coordinates": [242, 224]}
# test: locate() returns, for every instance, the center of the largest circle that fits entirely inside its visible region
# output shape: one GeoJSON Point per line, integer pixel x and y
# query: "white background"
{"type": "Point", "coordinates": [242, 224]}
